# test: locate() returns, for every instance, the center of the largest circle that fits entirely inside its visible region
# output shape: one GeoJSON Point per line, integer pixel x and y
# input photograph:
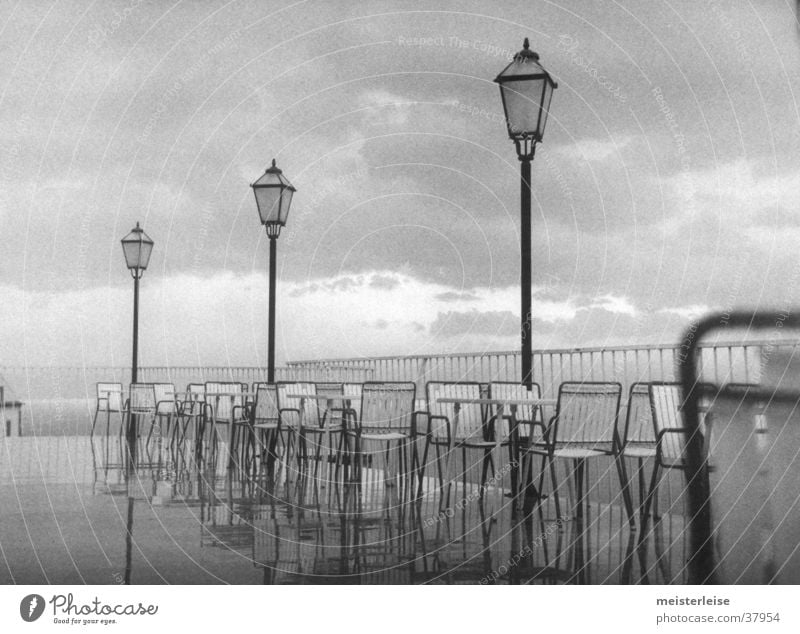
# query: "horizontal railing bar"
{"type": "Point", "coordinates": [549, 351]}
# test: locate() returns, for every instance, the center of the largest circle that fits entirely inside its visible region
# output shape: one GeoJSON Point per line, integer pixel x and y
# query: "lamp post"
{"type": "Point", "coordinates": [273, 194]}
{"type": "Point", "coordinates": [526, 89]}
{"type": "Point", "coordinates": [137, 247]}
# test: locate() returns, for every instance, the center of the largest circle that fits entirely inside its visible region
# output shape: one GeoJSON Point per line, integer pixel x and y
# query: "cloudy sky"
{"type": "Point", "coordinates": [667, 183]}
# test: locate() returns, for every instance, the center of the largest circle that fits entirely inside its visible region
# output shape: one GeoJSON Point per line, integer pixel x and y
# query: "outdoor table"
{"type": "Point", "coordinates": [501, 403]}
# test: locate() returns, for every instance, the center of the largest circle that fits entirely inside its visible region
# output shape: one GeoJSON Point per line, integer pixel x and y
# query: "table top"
{"type": "Point", "coordinates": [225, 393]}
{"type": "Point", "coordinates": [497, 401]}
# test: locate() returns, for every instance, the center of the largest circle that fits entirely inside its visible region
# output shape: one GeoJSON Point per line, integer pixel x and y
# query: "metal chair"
{"type": "Point", "coordinates": [191, 411]}
{"type": "Point", "coordinates": [265, 423]}
{"type": "Point", "coordinates": [331, 422]}
{"type": "Point", "coordinates": [387, 415]}
{"type": "Point", "coordinates": [109, 400]}
{"type": "Point", "coordinates": [166, 407]}
{"type": "Point", "coordinates": [638, 441]}
{"type": "Point", "coordinates": [292, 421]}
{"type": "Point", "coordinates": [665, 405]}
{"type": "Point", "coordinates": [469, 430]}
{"type": "Point", "coordinates": [354, 390]}
{"type": "Point", "coordinates": [582, 429]}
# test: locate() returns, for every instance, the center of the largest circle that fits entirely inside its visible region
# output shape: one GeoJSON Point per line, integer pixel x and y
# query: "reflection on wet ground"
{"type": "Point", "coordinates": [74, 513]}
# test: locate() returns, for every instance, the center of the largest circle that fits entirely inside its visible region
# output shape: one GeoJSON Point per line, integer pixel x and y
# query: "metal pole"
{"type": "Point", "coordinates": [525, 273]}
{"type": "Point", "coordinates": [133, 423]}
{"type": "Point", "coordinates": [271, 334]}
{"type": "Point", "coordinates": [135, 368]}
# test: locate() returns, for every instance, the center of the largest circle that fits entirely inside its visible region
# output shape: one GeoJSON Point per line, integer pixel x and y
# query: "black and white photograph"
{"type": "Point", "coordinates": [399, 293]}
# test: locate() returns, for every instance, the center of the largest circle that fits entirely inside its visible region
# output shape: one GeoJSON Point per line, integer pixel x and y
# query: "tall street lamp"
{"type": "Point", "coordinates": [137, 247]}
{"type": "Point", "coordinates": [273, 194]}
{"type": "Point", "coordinates": [526, 89]}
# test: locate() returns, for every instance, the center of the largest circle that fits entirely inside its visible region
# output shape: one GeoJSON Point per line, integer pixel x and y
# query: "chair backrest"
{"type": "Point", "coordinates": [516, 391]}
{"type": "Point", "coordinates": [387, 407]}
{"type": "Point", "coordinates": [197, 391]}
{"type": "Point", "coordinates": [471, 420]}
{"type": "Point", "coordinates": [223, 406]}
{"type": "Point", "coordinates": [287, 389]}
{"type": "Point", "coordinates": [194, 399]}
{"type": "Point", "coordinates": [109, 397]}
{"type": "Point", "coordinates": [330, 389]}
{"type": "Point", "coordinates": [142, 398]}
{"type": "Point", "coordinates": [665, 405]}
{"type": "Point", "coordinates": [266, 404]}
{"type": "Point", "coordinates": [586, 414]}
{"type": "Point", "coordinates": [165, 398]}
{"type": "Point", "coordinates": [639, 417]}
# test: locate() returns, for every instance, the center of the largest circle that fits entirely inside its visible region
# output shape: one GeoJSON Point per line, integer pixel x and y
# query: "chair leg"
{"type": "Point", "coordinates": [272, 451]}
{"type": "Point", "coordinates": [516, 464]}
{"type": "Point", "coordinates": [463, 470]}
{"type": "Point", "coordinates": [439, 471]}
{"type": "Point", "coordinates": [421, 465]}
{"type": "Point", "coordinates": [340, 454]}
{"type": "Point", "coordinates": [359, 457]}
{"type": "Point", "coordinates": [487, 454]}
{"type": "Point", "coordinates": [642, 484]}
{"type": "Point", "coordinates": [317, 455]}
{"type": "Point", "coordinates": [554, 481]}
{"type": "Point", "coordinates": [651, 494]}
{"type": "Point", "coordinates": [625, 485]}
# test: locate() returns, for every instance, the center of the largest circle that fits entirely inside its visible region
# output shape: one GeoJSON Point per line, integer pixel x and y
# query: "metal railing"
{"type": "Point", "coordinates": [626, 364]}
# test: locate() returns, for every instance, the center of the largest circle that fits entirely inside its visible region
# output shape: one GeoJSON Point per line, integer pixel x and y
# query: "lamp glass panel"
{"type": "Point", "coordinates": [131, 250]}
{"type": "Point", "coordinates": [286, 204]}
{"type": "Point", "coordinates": [268, 201]}
{"type": "Point", "coordinates": [146, 248]}
{"type": "Point", "coordinates": [522, 101]}
{"type": "Point", "coordinates": [548, 97]}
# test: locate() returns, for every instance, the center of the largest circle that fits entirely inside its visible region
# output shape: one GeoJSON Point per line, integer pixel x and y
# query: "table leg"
{"type": "Point", "coordinates": [231, 448]}
{"type": "Point", "coordinates": [447, 479]}
{"type": "Point", "coordinates": [301, 435]}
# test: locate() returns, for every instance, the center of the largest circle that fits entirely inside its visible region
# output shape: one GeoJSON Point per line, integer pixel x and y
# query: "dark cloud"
{"type": "Point", "coordinates": [384, 282]}
{"type": "Point", "coordinates": [494, 323]}
{"type": "Point", "coordinates": [453, 296]}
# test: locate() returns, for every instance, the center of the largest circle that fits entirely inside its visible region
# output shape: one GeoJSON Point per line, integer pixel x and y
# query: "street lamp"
{"type": "Point", "coordinates": [526, 90]}
{"type": "Point", "coordinates": [137, 247]}
{"type": "Point", "coordinates": [273, 194]}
